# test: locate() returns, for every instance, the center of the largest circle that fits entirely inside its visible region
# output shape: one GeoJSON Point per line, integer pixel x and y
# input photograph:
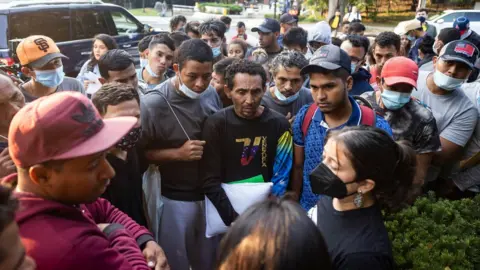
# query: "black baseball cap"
{"type": "Point", "coordinates": [267, 26]}
{"type": "Point", "coordinates": [460, 51]}
{"type": "Point", "coordinates": [328, 57]}
{"type": "Point", "coordinates": [287, 18]}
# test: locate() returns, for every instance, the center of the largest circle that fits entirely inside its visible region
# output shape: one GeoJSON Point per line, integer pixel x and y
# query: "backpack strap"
{"type": "Point", "coordinates": [368, 116]}
{"type": "Point", "coordinates": [308, 119]}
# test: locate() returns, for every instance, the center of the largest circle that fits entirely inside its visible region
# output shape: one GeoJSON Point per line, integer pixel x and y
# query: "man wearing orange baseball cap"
{"type": "Point", "coordinates": [59, 145]}
{"type": "Point", "coordinates": [41, 60]}
{"type": "Point", "coordinates": [409, 119]}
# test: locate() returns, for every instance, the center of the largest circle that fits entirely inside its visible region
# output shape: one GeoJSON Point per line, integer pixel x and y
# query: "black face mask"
{"type": "Point", "coordinates": [130, 140]}
{"type": "Point", "coordinates": [324, 181]}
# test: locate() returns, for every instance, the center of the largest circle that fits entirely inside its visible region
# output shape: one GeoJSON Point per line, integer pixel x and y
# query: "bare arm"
{"type": "Point", "coordinates": [191, 150]}
{"type": "Point", "coordinates": [450, 152]}
{"type": "Point", "coordinates": [423, 163]}
{"type": "Point", "coordinates": [297, 175]}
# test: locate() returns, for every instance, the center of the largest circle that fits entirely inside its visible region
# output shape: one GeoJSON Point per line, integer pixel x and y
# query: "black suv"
{"type": "Point", "coordinates": [71, 25]}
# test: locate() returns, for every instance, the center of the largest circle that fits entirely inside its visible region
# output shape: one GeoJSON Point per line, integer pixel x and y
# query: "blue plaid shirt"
{"type": "Point", "coordinates": [314, 143]}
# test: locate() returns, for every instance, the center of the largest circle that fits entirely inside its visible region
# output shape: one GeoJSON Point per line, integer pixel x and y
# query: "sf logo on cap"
{"type": "Point", "coordinates": [465, 49]}
{"type": "Point", "coordinates": [42, 44]}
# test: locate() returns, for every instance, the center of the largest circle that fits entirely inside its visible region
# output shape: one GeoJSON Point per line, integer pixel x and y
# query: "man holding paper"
{"type": "Point", "coordinates": [246, 142]}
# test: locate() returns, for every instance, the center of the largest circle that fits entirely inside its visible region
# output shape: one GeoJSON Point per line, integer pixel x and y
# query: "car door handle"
{"type": "Point", "coordinates": [127, 45]}
{"type": "Point", "coordinates": [85, 53]}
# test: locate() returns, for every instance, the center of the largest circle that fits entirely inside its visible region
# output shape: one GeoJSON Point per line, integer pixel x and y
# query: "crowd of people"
{"type": "Point", "coordinates": [342, 128]}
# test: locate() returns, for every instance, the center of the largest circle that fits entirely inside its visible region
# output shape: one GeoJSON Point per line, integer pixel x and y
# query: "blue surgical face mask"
{"type": "Point", "coordinates": [283, 99]}
{"type": "Point", "coordinates": [353, 67]}
{"type": "Point", "coordinates": [446, 82]}
{"type": "Point", "coordinates": [150, 71]}
{"type": "Point", "coordinates": [411, 38]}
{"type": "Point", "coordinates": [50, 78]}
{"type": "Point", "coordinates": [394, 100]}
{"type": "Point", "coordinates": [187, 91]}
{"type": "Point", "coordinates": [143, 62]}
{"type": "Point", "coordinates": [216, 51]}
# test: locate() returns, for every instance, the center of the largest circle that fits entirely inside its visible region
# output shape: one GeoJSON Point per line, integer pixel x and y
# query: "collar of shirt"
{"type": "Point", "coordinates": [354, 119]}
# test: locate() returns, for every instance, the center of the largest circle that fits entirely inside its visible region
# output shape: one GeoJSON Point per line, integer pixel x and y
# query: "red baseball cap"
{"type": "Point", "coordinates": [400, 70]}
{"type": "Point", "coordinates": [62, 126]}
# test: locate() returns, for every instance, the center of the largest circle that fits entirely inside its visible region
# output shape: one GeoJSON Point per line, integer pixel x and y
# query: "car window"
{"type": "Point", "coordinates": [473, 16]}
{"type": "Point", "coordinates": [123, 24]}
{"type": "Point", "coordinates": [451, 17]}
{"type": "Point", "coordinates": [89, 23]}
{"type": "Point", "coordinates": [54, 24]}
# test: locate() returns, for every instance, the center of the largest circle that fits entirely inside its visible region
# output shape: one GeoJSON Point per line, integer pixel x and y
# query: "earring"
{"type": "Point", "coordinates": [358, 200]}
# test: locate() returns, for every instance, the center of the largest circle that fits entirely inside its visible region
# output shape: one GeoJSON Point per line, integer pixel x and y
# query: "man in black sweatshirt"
{"type": "Point", "coordinates": [245, 142]}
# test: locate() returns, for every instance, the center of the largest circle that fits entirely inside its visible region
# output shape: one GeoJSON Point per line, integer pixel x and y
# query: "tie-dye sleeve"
{"type": "Point", "coordinates": [283, 163]}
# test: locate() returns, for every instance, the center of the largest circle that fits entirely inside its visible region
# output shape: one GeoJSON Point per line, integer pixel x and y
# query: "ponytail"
{"type": "Point", "coordinates": [395, 198]}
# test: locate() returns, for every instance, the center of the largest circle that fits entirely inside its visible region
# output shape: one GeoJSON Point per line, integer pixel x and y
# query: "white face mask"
{"type": "Point", "coordinates": [187, 91]}
{"type": "Point", "coordinates": [283, 99]}
{"type": "Point", "coordinates": [446, 82]}
{"type": "Point", "coordinates": [143, 62]}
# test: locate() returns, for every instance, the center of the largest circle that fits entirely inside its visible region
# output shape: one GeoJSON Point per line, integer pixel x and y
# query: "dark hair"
{"type": "Point", "coordinates": [109, 42]}
{"type": "Point", "coordinates": [345, 22]}
{"type": "Point", "coordinates": [426, 45]}
{"type": "Point", "coordinates": [337, 41]}
{"type": "Point", "coordinates": [387, 39]}
{"type": "Point", "coordinates": [244, 66]}
{"type": "Point", "coordinates": [114, 93]}
{"type": "Point", "coordinates": [375, 155]}
{"type": "Point", "coordinates": [448, 35]}
{"type": "Point", "coordinates": [143, 44]}
{"type": "Point", "coordinates": [296, 36]}
{"type": "Point", "coordinates": [358, 42]}
{"type": "Point", "coordinates": [241, 24]}
{"type": "Point", "coordinates": [8, 206]}
{"type": "Point", "coordinates": [356, 27]}
{"type": "Point", "coordinates": [242, 44]}
{"type": "Point", "coordinates": [274, 234]}
{"type": "Point", "coordinates": [174, 21]}
{"type": "Point", "coordinates": [114, 60]}
{"type": "Point", "coordinates": [226, 20]}
{"type": "Point", "coordinates": [422, 10]}
{"type": "Point", "coordinates": [221, 66]}
{"type": "Point", "coordinates": [192, 27]}
{"type": "Point", "coordinates": [194, 49]}
{"type": "Point", "coordinates": [178, 37]}
{"type": "Point", "coordinates": [162, 39]}
{"type": "Point", "coordinates": [213, 25]}
{"type": "Point", "coordinates": [288, 59]}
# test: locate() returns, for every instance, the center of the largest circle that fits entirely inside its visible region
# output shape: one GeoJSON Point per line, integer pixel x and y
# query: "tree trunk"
{"type": "Point", "coordinates": [422, 4]}
{"type": "Point", "coordinates": [332, 7]}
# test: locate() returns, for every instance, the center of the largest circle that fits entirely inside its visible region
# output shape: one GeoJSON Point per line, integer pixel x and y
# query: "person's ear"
{"type": "Point", "coordinates": [434, 61]}
{"type": "Point", "coordinates": [102, 80]}
{"type": "Point", "coordinates": [40, 175]}
{"type": "Point", "coordinates": [379, 82]}
{"type": "Point", "coordinates": [176, 68]}
{"type": "Point", "coordinates": [27, 71]}
{"type": "Point", "coordinates": [305, 50]}
{"type": "Point", "coordinates": [227, 91]}
{"type": "Point", "coordinates": [349, 83]}
{"type": "Point", "coordinates": [366, 186]}
{"type": "Point", "coordinates": [146, 52]}
{"type": "Point", "coordinates": [276, 34]}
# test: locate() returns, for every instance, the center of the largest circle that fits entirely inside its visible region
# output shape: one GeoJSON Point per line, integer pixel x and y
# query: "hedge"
{"type": "Point", "coordinates": [232, 9]}
{"type": "Point", "coordinates": [436, 234]}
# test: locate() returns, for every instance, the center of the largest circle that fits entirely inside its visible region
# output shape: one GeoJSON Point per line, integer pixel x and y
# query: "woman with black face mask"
{"type": "Point", "coordinates": [364, 171]}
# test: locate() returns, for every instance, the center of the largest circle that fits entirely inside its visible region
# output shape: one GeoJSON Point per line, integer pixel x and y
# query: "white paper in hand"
{"type": "Point", "coordinates": [241, 197]}
{"type": "Point", "coordinates": [94, 84]}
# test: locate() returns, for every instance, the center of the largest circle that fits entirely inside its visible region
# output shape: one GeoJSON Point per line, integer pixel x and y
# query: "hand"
{"type": "Point", "coordinates": [86, 83]}
{"type": "Point", "coordinates": [102, 226]}
{"type": "Point", "coordinates": [155, 256]}
{"type": "Point", "coordinates": [191, 150]}
{"type": "Point", "coordinates": [7, 166]}
{"type": "Point", "coordinates": [290, 118]}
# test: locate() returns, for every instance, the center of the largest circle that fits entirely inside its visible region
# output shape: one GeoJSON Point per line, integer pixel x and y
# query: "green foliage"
{"type": "Point", "coordinates": [301, 18]}
{"type": "Point", "coordinates": [436, 234]}
{"type": "Point", "coordinates": [316, 5]}
{"type": "Point", "coordinates": [232, 9]}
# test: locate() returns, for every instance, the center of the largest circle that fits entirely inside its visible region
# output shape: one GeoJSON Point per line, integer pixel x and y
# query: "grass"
{"type": "Point", "coordinates": [139, 12]}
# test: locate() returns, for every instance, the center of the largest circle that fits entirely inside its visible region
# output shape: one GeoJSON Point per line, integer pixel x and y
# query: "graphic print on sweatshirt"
{"type": "Point", "coordinates": [249, 150]}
